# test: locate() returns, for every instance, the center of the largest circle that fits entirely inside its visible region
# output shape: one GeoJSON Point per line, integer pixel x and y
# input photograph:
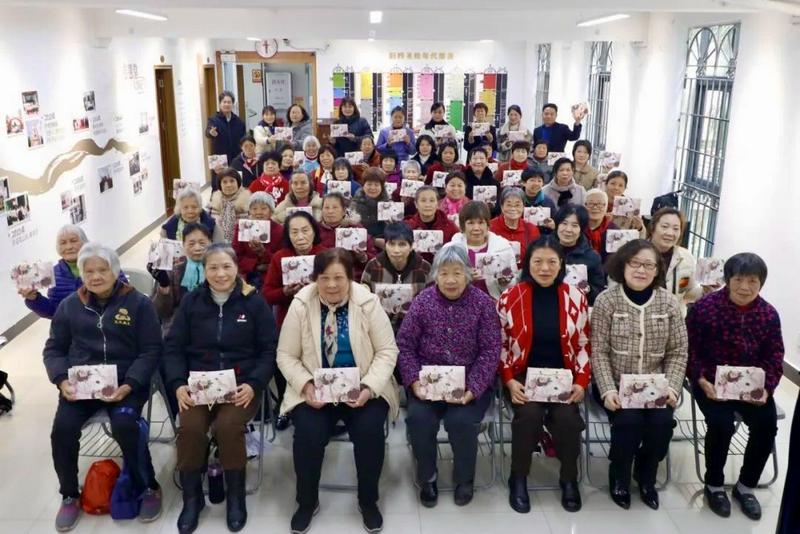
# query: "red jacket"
{"type": "Point", "coordinates": [515, 308]}
{"type": "Point", "coordinates": [275, 185]}
{"type": "Point", "coordinates": [249, 260]}
{"type": "Point", "coordinates": [509, 166]}
{"type": "Point", "coordinates": [438, 166]}
{"type": "Point", "coordinates": [272, 288]}
{"type": "Point", "coordinates": [597, 237]}
{"type": "Point", "coordinates": [440, 222]}
{"type": "Point", "coordinates": [316, 181]}
{"type": "Point", "coordinates": [328, 236]}
{"type": "Point", "coordinates": [374, 161]}
{"type": "Point", "coordinates": [524, 234]}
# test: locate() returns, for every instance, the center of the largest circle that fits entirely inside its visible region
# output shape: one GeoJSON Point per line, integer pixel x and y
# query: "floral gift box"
{"type": "Point", "coordinates": [409, 188]}
{"type": "Point", "coordinates": [307, 209]}
{"type": "Point", "coordinates": [643, 391]}
{"type": "Point", "coordinates": [536, 215]}
{"type": "Point", "coordinates": [178, 184]}
{"type": "Point", "coordinates": [283, 133]}
{"type": "Point", "coordinates": [443, 382]}
{"type": "Point", "coordinates": [391, 187]}
{"type": "Point", "coordinates": [38, 275]}
{"type": "Point", "coordinates": [480, 128]}
{"type": "Point", "coordinates": [710, 271]}
{"type": "Point", "coordinates": [485, 193]}
{"type": "Point", "coordinates": [297, 270]}
{"type": "Point", "coordinates": [391, 211]}
{"type": "Point", "coordinates": [577, 275]}
{"type": "Point", "coordinates": [93, 381]}
{"type": "Point", "coordinates": [354, 239]}
{"type": "Point", "coordinates": [165, 253]}
{"type": "Point", "coordinates": [439, 178]}
{"type": "Point", "coordinates": [608, 161]}
{"type": "Point", "coordinates": [217, 161]}
{"type": "Point", "coordinates": [397, 135]}
{"type": "Point", "coordinates": [740, 383]}
{"type": "Point", "coordinates": [339, 130]}
{"type": "Point", "coordinates": [395, 298]}
{"type": "Point", "coordinates": [552, 157]}
{"type": "Point", "coordinates": [355, 158]}
{"type": "Point", "coordinates": [511, 178]}
{"type": "Point", "coordinates": [496, 265]}
{"type": "Point", "coordinates": [548, 385]}
{"type": "Point", "coordinates": [298, 157]}
{"type": "Point", "coordinates": [339, 384]}
{"type": "Point", "coordinates": [428, 240]}
{"type": "Point", "coordinates": [343, 187]}
{"type": "Point", "coordinates": [616, 238]}
{"type": "Point", "coordinates": [627, 206]}
{"type": "Point", "coordinates": [516, 135]}
{"type": "Point", "coordinates": [253, 230]}
{"type": "Point", "coordinates": [212, 387]}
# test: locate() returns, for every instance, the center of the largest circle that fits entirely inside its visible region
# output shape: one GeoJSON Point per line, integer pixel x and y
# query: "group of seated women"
{"type": "Point", "coordinates": [225, 306]}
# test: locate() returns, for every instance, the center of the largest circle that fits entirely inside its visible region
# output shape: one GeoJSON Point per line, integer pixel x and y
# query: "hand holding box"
{"type": "Point", "coordinates": [93, 381]}
{"type": "Point", "coordinates": [740, 383]}
{"type": "Point", "coordinates": [395, 298]}
{"type": "Point", "coordinates": [251, 229]}
{"type": "Point", "coordinates": [338, 384]}
{"type": "Point", "coordinates": [297, 270]}
{"type": "Point", "coordinates": [391, 211]}
{"type": "Point", "coordinates": [212, 387]}
{"type": "Point", "coordinates": [428, 240]}
{"type": "Point", "coordinates": [643, 391]}
{"type": "Point", "coordinates": [485, 193]}
{"type": "Point", "coordinates": [38, 275]}
{"type": "Point", "coordinates": [354, 239]}
{"type": "Point", "coordinates": [548, 385]}
{"type": "Point", "coordinates": [443, 382]}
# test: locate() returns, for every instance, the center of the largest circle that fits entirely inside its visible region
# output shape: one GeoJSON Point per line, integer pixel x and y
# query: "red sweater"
{"type": "Point", "coordinates": [515, 308]}
{"type": "Point", "coordinates": [509, 166]}
{"type": "Point", "coordinates": [438, 166]}
{"type": "Point", "coordinates": [272, 288]}
{"type": "Point", "coordinates": [597, 237]}
{"type": "Point", "coordinates": [524, 234]}
{"type": "Point", "coordinates": [440, 222]}
{"type": "Point", "coordinates": [249, 260]}
{"type": "Point", "coordinates": [276, 185]}
{"type": "Point", "coordinates": [328, 236]}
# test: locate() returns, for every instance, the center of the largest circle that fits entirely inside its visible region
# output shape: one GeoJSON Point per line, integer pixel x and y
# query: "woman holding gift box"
{"type": "Point", "coordinates": [254, 256]}
{"type": "Point", "coordinates": [189, 209]}
{"type": "Point", "coordinates": [517, 160]}
{"type": "Point", "coordinates": [599, 221]}
{"type": "Point", "coordinates": [637, 328]}
{"type": "Point", "coordinates": [478, 171]}
{"type": "Point", "coordinates": [342, 172]}
{"type": "Point", "coordinates": [335, 322]}
{"type": "Point", "coordinates": [438, 128]}
{"type": "Point", "coordinates": [616, 184]}
{"type": "Point", "coordinates": [301, 195]}
{"type": "Point", "coordinates": [736, 326]}
{"type": "Point", "coordinates": [365, 202]}
{"type": "Point", "coordinates": [372, 158]}
{"type": "Point", "coordinates": [224, 324]}
{"type": "Point", "coordinates": [510, 224]}
{"type": "Point", "coordinates": [452, 323]}
{"type": "Point", "coordinates": [229, 203]}
{"type": "Point", "coordinates": [398, 136]}
{"type": "Point", "coordinates": [455, 193]}
{"type": "Point", "coordinates": [512, 131]}
{"type": "Point", "coordinates": [357, 127]}
{"type": "Point", "coordinates": [334, 216]}
{"type": "Point", "coordinates": [426, 153]}
{"type": "Point", "coordinates": [105, 322]}
{"type": "Point", "coordinates": [247, 162]}
{"type": "Point", "coordinates": [264, 132]}
{"type": "Point", "coordinates": [545, 325]}
{"type": "Point", "coordinates": [447, 160]}
{"type": "Point", "coordinates": [585, 174]}
{"type": "Point", "coordinates": [571, 223]}
{"type": "Point", "coordinates": [480, 113]}
{"type": "Point", "coordinates": [666, 233]}
{"type": "Point", "coordinates": [298, 120]}
{"type": "Point", "coordinates": [430, 217]}
{"type": "Point", "coordinates": [563, 189]}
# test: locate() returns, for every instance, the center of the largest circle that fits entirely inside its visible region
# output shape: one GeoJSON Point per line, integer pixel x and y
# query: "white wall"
{"type": "Point", "coordinates": [54, 52]}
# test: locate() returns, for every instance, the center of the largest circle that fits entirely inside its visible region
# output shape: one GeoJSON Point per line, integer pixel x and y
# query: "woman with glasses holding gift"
{"type": "Point", "coordinates": [545, 326]}
{"type": "Point", "coordinates": [637, 329]}
{"type": "Point", "coordinates": [735, 326]}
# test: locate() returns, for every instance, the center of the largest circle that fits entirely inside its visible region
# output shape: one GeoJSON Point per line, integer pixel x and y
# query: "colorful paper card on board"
{"type": "Point", "coordinates": [338, 79]}
{"type": "Point", "coordinates": [395, 80]}
{"type": "Point", "coordinates": [366, 84]}
{"type": "Point", "coordinates": [455, 113]}
{"type": "Point", "coordinates": [490, 81]}
{"type": "Point", "coordinates": [339, 92]}
{"type": "Point", "coordinates": [426, 86]}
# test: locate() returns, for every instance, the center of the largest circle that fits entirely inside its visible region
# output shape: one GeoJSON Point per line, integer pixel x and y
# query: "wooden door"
{"type": "Point", "coordinates": [208, 95]}
{"type": "Point", "coordinates": [167, 133]}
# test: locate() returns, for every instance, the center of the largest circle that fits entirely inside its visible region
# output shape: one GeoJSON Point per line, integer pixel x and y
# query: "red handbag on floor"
{"type": "Point", "coordinates": [99, 484]}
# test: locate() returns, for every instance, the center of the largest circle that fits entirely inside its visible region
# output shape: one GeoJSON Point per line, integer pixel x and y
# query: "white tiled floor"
{"type": "Point", "coordinates": [29, 497]}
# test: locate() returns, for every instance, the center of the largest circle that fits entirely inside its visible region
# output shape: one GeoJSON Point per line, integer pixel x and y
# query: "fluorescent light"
{"type": "Point", "coordinates": [603, 20]}
{"type": "Point", "coordinates": [487, 40]}
{"type": "Point", "coordinates": [375, 17]}
{"type": "Point", "coordinates": [141, 14]}
{"type": "Point", "coordinates": [256, 39]}
{"type": "Point", "coordinates": [371, 40]}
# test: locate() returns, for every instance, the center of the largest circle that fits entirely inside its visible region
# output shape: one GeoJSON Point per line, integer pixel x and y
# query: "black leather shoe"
{"type": "Point", "coordinates": [428, 494]}
{"type": "Point", "coordinates": [518, 496]}
{"type": "Point", "coordinates": [236, 508]}
{"type": "Point", "coordinates": [718, 502]}
{"type": "Point", "coordinates": [649, 496]}
{"type": "Point", "coordinates": [570, 496]}
{"type": "Point", "coordinates": [301, 520]}
{"type": "Point", "coordinates": [282, 422]}
{"type": "Point", "coordinates": [749, 504]}
{"type": "Point", "coordinates": [372, 518]}
{"type": "Point", "coordinates": [620, 493]}
{"type": "Point", "coordinates": [463, 494]}
{"type": "Point", "coordinates": [193, 501]}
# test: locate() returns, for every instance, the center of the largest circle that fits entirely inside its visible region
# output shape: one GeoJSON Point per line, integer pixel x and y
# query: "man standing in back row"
{"type": "Point", "coordinates": [225, 129]}
{"type": "Point", "coordinates": [556, 134]}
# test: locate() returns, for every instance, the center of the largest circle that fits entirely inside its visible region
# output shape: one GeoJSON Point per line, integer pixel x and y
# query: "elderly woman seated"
{"type": "Point", "coordinates": [105, 322]}
{"type": "Point", "coordinates": [335, 323]}
{"type": "Point", "coordinates": [189, 209]}
{"type": "Point", "coordinates": [452, 323]}
{"type": "Point", "coordinates": [69, 240]}
{"type": "Point", "coordinates": [223, 325]}
{"type": "Point", "coordinates": [254, 256]}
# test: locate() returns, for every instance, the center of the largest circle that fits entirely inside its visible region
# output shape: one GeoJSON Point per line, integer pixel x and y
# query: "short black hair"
{"type": "Point", "coordinates": [349, 100]}
{"type": "Point", "coordinates": [271, 109]}
{"type": "Point", "coordinates": [336, 196]}
{"type": "Point", "coordinates": [270, 155]}
{"type": "Point", "coordinates": [550, 105]}
{"type": "Point", "coordinates": [449, 143]}
{"type": "Point", "coordinates": [328, 148]}
{"type": "Point", "coordinates": [398, 231]}
{"type": "Point", "coordinates": [396, 109]}
{"type": "Point", "coordinates": [343, 162]}
{"type": "Point", "coordinates": [559, 163]}
{"type": "Point", "coordinates": [188, 228]}
{"type": "Point", "coordinates": [745, 264]}
{"type": "Point", "coordinates": [530, 172]}
{"type": "Point", "coordinates": [325, 259]}
{"type": "Point", "coordinates": [302, 109]}
{"type": "Point", "coordinates": [520, 145]}
{"type": "Point", "coordinates": [229, 172]}
{"type": "Point", "coordinates": [287, 241]}
{"type": "Point", "coordinates": [582, 143]}
{"type": "Point", "coordinates": [480, 105]}
{"type": "Point", "coordinates": [572, 209]}
{"type": "Point", "coordinates": [475, 150]}
{"type": "Point", "coordinates": [617, 174]}
{"type": "Point", "coordinates": [615, 265]}
{"type": "Point", "coordinates": [429, 139]}
{"type": "Point", "coordinates": [546, 241]}
{"type": "Point", "coordinates": [389, 154]}
{"type": "Point", "coordinates": [455, 174]}
{"type": "Point", "coordinates": [514, 107]}
{"type": "Point", "coordinates": [474, 209]}
{"type": "Point", "coordinates": [247, 138]}
{"type": "Point", "coordinates": [227, 93]}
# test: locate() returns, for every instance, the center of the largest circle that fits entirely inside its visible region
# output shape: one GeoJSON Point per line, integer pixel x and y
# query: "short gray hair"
{"type": "Point", "coordinates": [414, 164]}
{"type": "Point", "coordinates": [98, 250]}
{"type": "Point", "coordinates": [451, 253]}
{"type": "Point", "coordinates": [69, 229]}
{"type": "Point", "coordinates": [188, 192]}
{"type": "Point", "coordinates": [216, 248]}
{"type": "Point", "coordinates": [597, 193]}
{"type": "Point", "coordinates": [261, 197]}
{"type": "Point", "coordinates": [511, 192]}
{"type": "Point", "coordinates": [311, 140]}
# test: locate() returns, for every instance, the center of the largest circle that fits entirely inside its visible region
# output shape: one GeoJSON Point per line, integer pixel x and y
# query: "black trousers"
{"type": "Point", "coordinates": [789, 519]}
{"type": "Point", "coordinates": [761, 421]}
{"type": "Point", "coordinates": [640, 435]}
{"type": "Point", "coordinates": [66, 433]}
{"type": "Point", "coordinates": [462, 423]}
{"type": "Point", "coordinates": [313, 430]}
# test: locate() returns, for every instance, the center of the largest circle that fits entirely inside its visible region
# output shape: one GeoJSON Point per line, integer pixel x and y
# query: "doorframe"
{"type": "Point", "coordinates": [208, 107]}
{"type": "Point", "coordinates": [277, 59]}
{"type": "Point", "coordinates": [161, 139]}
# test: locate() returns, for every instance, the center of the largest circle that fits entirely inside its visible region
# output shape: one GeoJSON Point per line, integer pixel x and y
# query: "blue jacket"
{"type": "Point", "coordinates": [171, 226]}
{"type": "Point", "coordinates": [125, 333]}
{"type": "Point", "coordinates": [239, 335]}
{"type": "Point", "coordinates": [557, 135]}
{"type": "Point", "coordinates": [66, 283]}
{"type": "Point", "coordinates": [403, 151]}
{"type": "Point", "coordinates": [229, 133]}
{"type": "Point", "coordinates": [358, 127]}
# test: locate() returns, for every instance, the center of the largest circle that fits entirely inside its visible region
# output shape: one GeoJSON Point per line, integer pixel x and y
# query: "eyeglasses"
{"type": "Point", "coordinates": [648, 266]}
{"type": "Point", "coordinates": [591, 205]}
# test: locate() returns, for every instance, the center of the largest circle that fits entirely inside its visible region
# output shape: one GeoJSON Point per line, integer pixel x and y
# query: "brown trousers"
{"type": "Point", "coordinates": [229, 428]}
{"type": "Point", "coordinates": [565, 425]}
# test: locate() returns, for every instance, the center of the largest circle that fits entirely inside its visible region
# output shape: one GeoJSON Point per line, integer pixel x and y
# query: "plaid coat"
{"type": "Point", "coordinates": [631, 339]}
{"type": "Point", "coordinates": [380, 270]}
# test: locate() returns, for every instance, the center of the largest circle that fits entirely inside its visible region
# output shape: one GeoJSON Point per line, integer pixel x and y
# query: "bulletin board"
{"type": "Point", "coordinates": [279, 89]}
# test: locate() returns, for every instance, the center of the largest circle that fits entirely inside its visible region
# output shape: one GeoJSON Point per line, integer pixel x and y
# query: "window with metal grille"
{"type": "Point", "coordinates": [703, 129]}
{"type": "Point", "coordinates": [542, 79]}
{"type": "Point", "coordinates": [599, 92]}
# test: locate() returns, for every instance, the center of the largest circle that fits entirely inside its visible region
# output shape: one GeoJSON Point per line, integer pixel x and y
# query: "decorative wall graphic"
{"type": "Point", "coordinates": [77, 211]}
{"type": "Point", "coordinates": [17, 209]}
{"type": "Point", "coordinates": [80, 124]}
{"type": "Point", "coordinates": [105, 179]}
{"type": "Point", "coordinates": [14, 124]}
{"type": "Point", "coordinates": [88, 101]}
{"type": "Point", "coordinates": [134, 165]}
{"type": "Point", "coordinates": [34, 132]}
{"type": "Point", "coordinates": [30, 102]}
